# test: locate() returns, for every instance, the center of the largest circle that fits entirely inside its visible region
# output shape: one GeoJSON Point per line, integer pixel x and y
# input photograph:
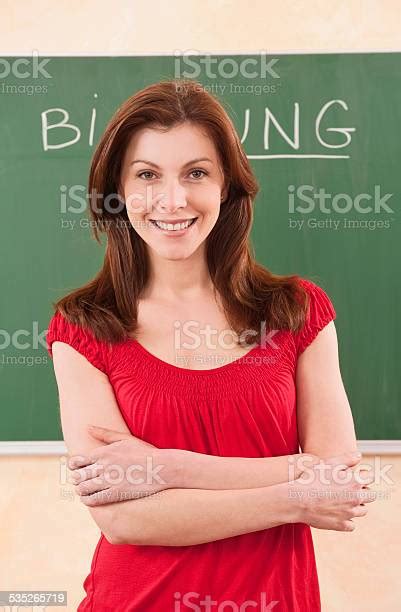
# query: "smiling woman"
{"type": "Point", "coordinates": [227, 438]}
{"type": "Point", "coordinates": [180, 199]}
{"type": "Point", "coordinates": [171, 152]}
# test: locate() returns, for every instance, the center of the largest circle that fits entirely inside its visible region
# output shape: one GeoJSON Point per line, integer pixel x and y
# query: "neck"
{"type": "Point", "coordinates": [181, 279]}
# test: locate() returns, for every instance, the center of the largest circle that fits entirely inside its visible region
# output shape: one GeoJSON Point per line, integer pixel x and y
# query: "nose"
{"type": "Point", "coordinates": [171, 197]}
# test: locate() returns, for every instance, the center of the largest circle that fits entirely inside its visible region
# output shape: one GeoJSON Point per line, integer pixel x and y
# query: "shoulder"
{"type": "Point", "coordinates": [319, 313]}
{"type": "Point", "coordinates": [80, 338]}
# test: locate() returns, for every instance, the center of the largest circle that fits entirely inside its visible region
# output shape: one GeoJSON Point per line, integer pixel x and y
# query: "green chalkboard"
{"type": "Point", "coordinates": [320, 131]}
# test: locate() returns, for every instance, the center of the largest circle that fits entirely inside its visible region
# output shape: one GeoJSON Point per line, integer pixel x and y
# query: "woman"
{"type": "Point", "coordinates": [223, 517]}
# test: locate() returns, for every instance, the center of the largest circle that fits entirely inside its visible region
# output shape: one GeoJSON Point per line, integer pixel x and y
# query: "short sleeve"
{"type": "Point", "coordinates": [320, 312]}
{"type": "Point", "coordinates": [79, 338]}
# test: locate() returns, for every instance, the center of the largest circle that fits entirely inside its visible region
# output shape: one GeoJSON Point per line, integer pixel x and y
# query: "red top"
{"type": "Point", "coordinates": [244, 408]}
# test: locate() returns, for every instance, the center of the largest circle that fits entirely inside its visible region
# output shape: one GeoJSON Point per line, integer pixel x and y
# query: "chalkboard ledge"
{"type": "Point", "coordinates": [57, 447]}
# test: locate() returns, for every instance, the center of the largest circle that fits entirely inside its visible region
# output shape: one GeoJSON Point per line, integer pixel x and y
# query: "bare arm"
{"type": "Point", "coordinates": [325, 423]}
{"type": "Point", "coordinates": [214, 472]}
{"type": "Point", "coordinates": [178, 468]}
{"type": "Point", "coordinates": [184, 517]}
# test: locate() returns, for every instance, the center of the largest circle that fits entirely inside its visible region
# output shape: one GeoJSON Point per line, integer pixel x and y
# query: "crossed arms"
{"type": "Point", "coordinates": [209, 497]}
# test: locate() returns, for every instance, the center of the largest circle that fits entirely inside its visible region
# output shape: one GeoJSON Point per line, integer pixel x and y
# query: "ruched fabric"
{"type": "Point", "coordinates": [82, 340]}
{"type": "Point", "coordinates": [246, 407]}
{"type": "Point", "coordinates": [321, 312]}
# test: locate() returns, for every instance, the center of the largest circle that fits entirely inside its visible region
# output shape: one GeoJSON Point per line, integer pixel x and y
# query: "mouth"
{"type": "Point", "coordinates": [178, 228]}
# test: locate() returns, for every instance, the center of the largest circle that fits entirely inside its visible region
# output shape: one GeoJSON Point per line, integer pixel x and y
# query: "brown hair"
{"type": "Point", "coordinates": [250, 293]}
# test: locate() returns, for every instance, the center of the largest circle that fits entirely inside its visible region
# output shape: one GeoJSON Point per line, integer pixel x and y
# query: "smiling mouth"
{"type": "Point", "coordinates": [173, 227]}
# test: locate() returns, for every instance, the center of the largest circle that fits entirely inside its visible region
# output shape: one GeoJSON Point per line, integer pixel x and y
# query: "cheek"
{"type": "Point", "coordinates": [210, 211]}
{"type": "Point", "coordinates": [137, 200]}
{"type": "Point", "coordinates": [206, 199]}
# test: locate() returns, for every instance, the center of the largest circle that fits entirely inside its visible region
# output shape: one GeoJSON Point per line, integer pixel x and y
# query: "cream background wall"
{"type": "Point", "coordinates": [124, 26]}
{"type": "Point", "coordinates": [47, 536]}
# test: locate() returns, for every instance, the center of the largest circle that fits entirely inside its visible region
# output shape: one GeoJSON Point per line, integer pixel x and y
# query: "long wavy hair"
{"type": "Point", "coordinates": [250, 294]}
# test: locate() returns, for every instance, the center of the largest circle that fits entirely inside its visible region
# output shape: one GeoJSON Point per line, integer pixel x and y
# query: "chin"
{"type": "Point", "coordinates": [174, 252]}
{"type": "Point", "coordinates": [176, 255]}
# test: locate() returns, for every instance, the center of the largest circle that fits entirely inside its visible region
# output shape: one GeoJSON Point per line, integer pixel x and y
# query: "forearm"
{"type": "Point", "coordinates": [202, 471]}
{"type": "Point", "coordinates": [184, 517]}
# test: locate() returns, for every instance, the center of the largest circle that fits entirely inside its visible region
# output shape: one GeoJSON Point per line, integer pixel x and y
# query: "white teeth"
{"type": "Point", "coordinates": [170, 226]}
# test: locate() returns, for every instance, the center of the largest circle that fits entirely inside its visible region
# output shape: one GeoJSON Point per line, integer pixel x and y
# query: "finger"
{"type": "Point", "coordinates": [349, 525]}
{"type": "Point", "coordinates": [360, 510]}
{"type": "Point", "coordinates": [365, 479]}
{"type": "Point", "coordinates": [88, 487]}
{"type": "Point", "coordinates": [97, 499]}
{"type": "Point", "coordinates": [366, 495]}
{"type": "Point", "coordinates": [78, 461]}
{"type": "Point", "coordinates": [90, 471]}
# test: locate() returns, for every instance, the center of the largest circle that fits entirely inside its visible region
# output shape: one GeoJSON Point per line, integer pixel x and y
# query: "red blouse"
{"type": "Point", "coordinates": [246, 407]}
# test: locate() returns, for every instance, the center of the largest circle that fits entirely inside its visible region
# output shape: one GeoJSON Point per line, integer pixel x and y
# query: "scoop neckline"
{"type": "Point", "coordinates": [201, 372]}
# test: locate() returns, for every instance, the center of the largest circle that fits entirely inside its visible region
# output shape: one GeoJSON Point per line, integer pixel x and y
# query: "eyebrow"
{"type": "Point", "coordinates": [193, 161]}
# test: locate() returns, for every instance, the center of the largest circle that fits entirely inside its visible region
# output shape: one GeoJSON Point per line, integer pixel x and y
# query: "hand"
{"type": "Point", "coordinates": [330, 494]}
{"type": "Point", "coordinates": [124, 468]}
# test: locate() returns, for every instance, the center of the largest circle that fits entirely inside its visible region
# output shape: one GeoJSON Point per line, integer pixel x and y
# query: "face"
{"type": "Point", "coordinates": [172, 183]}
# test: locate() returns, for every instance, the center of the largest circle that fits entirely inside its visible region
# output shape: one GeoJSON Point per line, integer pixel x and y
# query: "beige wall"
{"type": "Point", "coordinates": [47, 538]}
{"type": "Point", "coordinates": [130, 26]}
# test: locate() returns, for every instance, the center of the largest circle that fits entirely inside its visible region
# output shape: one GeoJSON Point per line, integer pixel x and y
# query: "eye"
{"type": "Point", "coordinates": [203, 172]}
{"type": "Point", "coordinates": [140, 174]}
